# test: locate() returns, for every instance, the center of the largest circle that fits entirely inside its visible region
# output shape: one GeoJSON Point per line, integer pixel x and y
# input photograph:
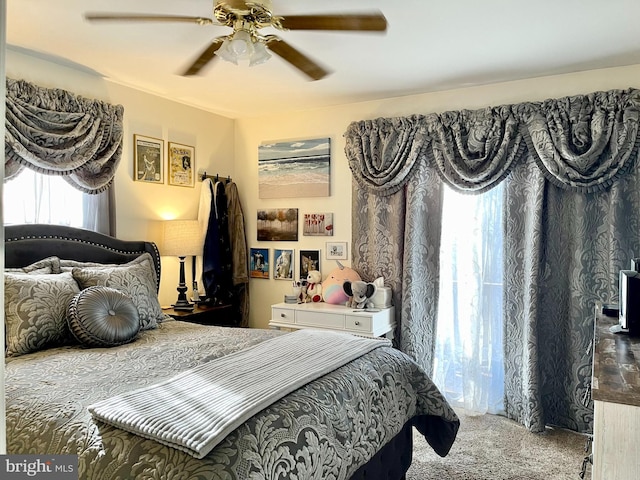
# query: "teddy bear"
{"type": "Point", "coordinates": [359, 293]}
{"type": "Point", "coordinates": [314, 286]}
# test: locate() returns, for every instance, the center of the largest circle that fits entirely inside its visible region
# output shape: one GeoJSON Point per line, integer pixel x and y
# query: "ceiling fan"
{"type": "Point", "coordinates": [246, 18]}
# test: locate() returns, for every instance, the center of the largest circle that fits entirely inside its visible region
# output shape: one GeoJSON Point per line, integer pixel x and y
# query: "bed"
{"type": "Point", "coordinates": [355, 421]}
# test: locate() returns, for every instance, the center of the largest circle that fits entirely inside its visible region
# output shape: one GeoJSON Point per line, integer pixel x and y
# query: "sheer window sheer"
{"type": "Point", "coordinates": [32, 197]}
{"type": "Point", "coordinates": [468, 362]}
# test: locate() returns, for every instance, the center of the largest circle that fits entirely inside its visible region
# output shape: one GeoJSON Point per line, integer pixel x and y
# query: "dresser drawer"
{"type": "Point", "coordinates": [339, 318]}
{"type": "Point", "coordinates": [358, 323]}
{"type": "Point", "coordinates": [283, 315]}
{"type": "Point", "coordinates": [320, 319]}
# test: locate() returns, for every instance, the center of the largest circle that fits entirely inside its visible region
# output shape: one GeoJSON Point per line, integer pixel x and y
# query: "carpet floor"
{"type": "Point", "coordinates": [492, 447]}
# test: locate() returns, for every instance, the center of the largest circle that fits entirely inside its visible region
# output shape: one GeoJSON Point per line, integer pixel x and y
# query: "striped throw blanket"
{"type": "Point", "coordinates": [196, 409]}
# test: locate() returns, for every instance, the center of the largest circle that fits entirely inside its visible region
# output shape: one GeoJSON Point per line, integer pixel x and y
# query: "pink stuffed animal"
{"type": "Point", "coordinates": [332, 290]}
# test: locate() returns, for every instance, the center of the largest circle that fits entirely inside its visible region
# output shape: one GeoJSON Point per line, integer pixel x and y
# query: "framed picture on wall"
{"type": "Point", "coordinates": [259, 263]}
{"type": "Point", "coordinates": [317, 224]}
{"type": "Point", "coordinates": [148, 159]}
{"type": "Point", "coordinates": [181, 165]}
{"type": "Point", "coordinates": [336, 250]}
{"type": "Point", "coordinates": [283, 264]}
{"type": "Point", "coordinates": [298, 168]}
{"type": "Point", "coordinates": [278, 224]}
{"type": "Point", "coordinates": [309, 260]}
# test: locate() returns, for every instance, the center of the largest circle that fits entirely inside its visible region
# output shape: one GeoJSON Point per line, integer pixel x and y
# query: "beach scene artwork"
{"type": "Point", "coordinates": [294, 169]}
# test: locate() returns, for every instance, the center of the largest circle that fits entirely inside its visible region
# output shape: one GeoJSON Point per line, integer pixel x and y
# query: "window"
{"type": "Point", "coordinates": [32, 197]}
{"type": "Point", "coordinates": [468, 365]}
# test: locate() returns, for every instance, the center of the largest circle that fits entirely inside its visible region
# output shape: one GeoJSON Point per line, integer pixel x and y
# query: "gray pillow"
{"type": "Point", "coordinates": [103, 317]}
{"type": "Point", "coordinates": [136, 279]}
{"type": "Point", "coordinates": [35, 311]}
{"type": "Point", "coordinates": [45, 266]}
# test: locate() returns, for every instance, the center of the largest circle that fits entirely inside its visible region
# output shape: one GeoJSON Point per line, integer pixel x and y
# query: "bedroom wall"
{"type": "Point", "coordinates": [333, 122]}
{"type": "Point", "coordinates": [140, 206]}
{"type": "Point", "coordinates": [230, 147]}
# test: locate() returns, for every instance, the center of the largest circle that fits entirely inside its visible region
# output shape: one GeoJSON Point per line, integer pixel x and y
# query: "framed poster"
{"type": "Point", "coordinates": [259, 263]}
{"type": "Point", "coordinates": [309, 260]}
{"type": "Point", "coordinates": [148, 156]}
{"type": "Point", "coordinates": [299, 168]}
{"type": "Point", "coordinates": [181, 165]}
{"type": "Point", "coordinates": [278, 224]}
{"type": "Point", "coordinates": [337, 250]}
{"type": "Point", "coordinates": [283, 264]}
{"type": "Point", "coordinates": [317, 224]}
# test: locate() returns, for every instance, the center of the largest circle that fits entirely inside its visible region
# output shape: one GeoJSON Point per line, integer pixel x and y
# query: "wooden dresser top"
{"type": "Point", "coordinates": [616, 364]}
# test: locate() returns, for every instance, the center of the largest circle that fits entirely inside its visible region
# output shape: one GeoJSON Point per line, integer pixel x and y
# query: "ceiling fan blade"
{"type": "Point", "coordinates": [375, 22]}
{"type": "Point", "coordinates": [205, 57]}
{"type": "Point", "coordinates": [295, 58]}
{"type": "Point", "coordinates": [139, 17]}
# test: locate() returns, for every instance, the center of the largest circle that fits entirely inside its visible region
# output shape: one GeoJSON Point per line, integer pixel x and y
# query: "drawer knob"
{"type": "Point", "coordinates": [282, 315]}
{"type": "Point", "coordinates": [357, 322]}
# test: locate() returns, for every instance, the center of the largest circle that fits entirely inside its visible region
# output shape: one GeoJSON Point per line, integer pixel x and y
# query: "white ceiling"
{"type": "Point", "coordinates": [430, 45]}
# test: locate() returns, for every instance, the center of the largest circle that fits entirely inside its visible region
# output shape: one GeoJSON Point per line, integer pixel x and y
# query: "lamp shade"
{"type": "Point", "coordinates": [181, 238]}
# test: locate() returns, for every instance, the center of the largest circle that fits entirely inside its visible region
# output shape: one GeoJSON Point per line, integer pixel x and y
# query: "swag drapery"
{"type": "Point", "coordinates": [571, 221]}
{"type": "Point", "coordinates": [56, 132]}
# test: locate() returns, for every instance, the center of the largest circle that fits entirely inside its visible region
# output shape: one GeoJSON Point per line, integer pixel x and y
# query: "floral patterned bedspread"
{"type": "Point", "coordinates": [324, 430]}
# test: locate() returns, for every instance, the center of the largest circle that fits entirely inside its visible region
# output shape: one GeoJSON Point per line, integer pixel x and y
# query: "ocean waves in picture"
{"type": "Point", "coordinates": [291, 171]}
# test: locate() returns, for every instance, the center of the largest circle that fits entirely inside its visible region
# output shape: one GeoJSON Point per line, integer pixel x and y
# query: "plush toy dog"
{"type": "Point", "coordinates": [314, 286]}
{"type": "Point", "coordinates": [359, 293]}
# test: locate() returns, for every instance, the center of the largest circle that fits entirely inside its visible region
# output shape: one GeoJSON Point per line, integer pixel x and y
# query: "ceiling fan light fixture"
{"type": "Point", "coordinates": [241, 45]}
{"type": "Point", "coordinates": [260, 54]}
{"type": "Point", "coordinates": [225, 53]}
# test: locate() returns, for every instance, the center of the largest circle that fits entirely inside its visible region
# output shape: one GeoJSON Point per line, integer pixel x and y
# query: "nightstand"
{"type": "Point", "coordinates": [339, 318]}
{"type": "Point", "coordinates": [204, 315]}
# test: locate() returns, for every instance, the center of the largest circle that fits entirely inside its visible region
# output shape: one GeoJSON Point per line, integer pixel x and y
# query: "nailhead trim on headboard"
{"type": "Point", "coordinates": [68, 238]}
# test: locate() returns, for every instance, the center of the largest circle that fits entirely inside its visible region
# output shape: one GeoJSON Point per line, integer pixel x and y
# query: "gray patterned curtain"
{"type": "Point", "coordinates": [571, 221]}
{"type": "Point", "coordinates": [58, 133]}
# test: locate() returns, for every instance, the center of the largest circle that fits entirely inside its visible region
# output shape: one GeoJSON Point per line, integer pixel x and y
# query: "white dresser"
{"type": "Point", "coordinates": [325, 316]}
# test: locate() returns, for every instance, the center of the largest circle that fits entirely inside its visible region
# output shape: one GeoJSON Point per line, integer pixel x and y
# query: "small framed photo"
{"type": "Point", "coordinates": [309, 260]}
{"type": "Point", "coordinates": [318, 224]}
{"type": "Point", "coordinates": [283, 264]}
{"type": "Point", "coordinates": [148, 156]}
{"type": "Point", "coordinates": [259, 263]}
{"type": "Point", "coordinates": [181, 165]}
{"type": "Point", "coordinates": [337, 250]}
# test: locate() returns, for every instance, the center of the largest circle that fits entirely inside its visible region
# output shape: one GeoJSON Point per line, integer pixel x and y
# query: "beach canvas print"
{"type": "Point", "coordinates": [294, 169]}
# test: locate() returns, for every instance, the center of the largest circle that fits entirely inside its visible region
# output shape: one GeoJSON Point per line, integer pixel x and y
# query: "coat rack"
{"type": "Point", "coordinates": [215, 178]}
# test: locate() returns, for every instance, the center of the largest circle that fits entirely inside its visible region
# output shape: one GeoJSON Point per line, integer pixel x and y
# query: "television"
{"type": "Point", "coordinates": [629, 302]}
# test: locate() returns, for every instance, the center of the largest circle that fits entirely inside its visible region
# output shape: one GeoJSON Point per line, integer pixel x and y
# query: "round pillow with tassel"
{"type": "Point", "coordinates": [103, 317]}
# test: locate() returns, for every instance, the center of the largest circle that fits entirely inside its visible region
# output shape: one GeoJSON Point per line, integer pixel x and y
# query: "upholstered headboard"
{"type": "Point", "coordinates": [28, 243]}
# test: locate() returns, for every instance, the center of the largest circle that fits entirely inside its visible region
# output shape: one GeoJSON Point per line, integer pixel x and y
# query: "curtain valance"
{"type": "Point", "coordinates": [383, 152]}
{"type": "Point", "coordinates": [58, 133]}
{"type": "Point", "coordinates": [582, 143]}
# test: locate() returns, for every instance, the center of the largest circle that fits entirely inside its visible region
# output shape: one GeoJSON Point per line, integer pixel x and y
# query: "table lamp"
{"type": "Point", "coordinates": [181, 238]}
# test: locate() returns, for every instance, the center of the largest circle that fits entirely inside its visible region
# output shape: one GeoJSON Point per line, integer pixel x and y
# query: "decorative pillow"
{"type": "Point", "coordinates": [103, 317]}
{"type": "Point", "coordinates": [136, 279]}
{"type": "Point", "coordinates": [45, 266]}
{"type": "Point", "coordinates": [67, 265]}
{"type": "Point", "coordinates": [35, 311]}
